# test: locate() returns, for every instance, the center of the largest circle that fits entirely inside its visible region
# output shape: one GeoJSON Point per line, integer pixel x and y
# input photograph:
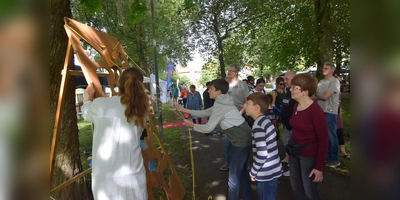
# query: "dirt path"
{"type": "Point", "coordinates": [209, 155]}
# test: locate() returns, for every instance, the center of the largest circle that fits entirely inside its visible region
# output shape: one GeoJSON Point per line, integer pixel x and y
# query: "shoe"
{"type": "Point", "coordinates": [287, 173]}
{"type": "Point", "coordinates": [284, 160]}
{"type": "Point", "coordinates": [218, 133]}
{"type": "Point", "coordinates": [224, 167]}
{"type": "Point", "coordinates": [333, 163]}
{"type": "Point", "coordinates": [207, 134]}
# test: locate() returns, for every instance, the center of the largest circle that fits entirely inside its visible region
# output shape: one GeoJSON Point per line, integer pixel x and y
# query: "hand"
{"type": "Point", "coordinates": [252, 178]}
{"type": "Point", "coordinates": [178, 107]}
{"type": "Point", "coordinates": [318, 175]}
{"type": "Point", "coordinates": [90, 91]}
{"type": "Point", "coordinates": [188, 123]}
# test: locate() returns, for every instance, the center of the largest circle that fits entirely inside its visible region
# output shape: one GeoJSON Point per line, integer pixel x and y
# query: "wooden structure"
{"type": "Point", "coordinates": [114, 60]}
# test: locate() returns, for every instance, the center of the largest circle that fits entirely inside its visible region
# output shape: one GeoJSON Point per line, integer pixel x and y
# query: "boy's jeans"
{"type": "Point", "coordinates": [266, 190]}
{"type": "Point", "coordinates": [239, 177]}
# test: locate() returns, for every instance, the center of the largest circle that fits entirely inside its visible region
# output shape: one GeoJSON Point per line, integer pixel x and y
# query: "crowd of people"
{"type": "Point", "coordinates": [306, 111]}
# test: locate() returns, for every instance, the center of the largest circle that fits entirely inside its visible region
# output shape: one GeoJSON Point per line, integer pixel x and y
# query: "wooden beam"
{"type": "Point", "coordinates": [66, 183]}
{"type": "Point", "coordinates": [57, 122]}
{"type": "Point", "coordinates": [80, 73]}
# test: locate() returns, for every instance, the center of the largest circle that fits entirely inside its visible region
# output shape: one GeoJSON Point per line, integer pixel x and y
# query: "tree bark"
{"type": "Point", "coordinates": [325, 34]}
{"type": "Point", "coordinates": [68, 163]}
{"type": "Point", "coordinates": [221, 57]}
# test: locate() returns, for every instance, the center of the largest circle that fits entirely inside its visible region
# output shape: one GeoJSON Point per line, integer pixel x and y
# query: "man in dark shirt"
{"type": "Point", "coordinates": [208, 103]}
{"type": "Point", "coordinates": [287, 112]}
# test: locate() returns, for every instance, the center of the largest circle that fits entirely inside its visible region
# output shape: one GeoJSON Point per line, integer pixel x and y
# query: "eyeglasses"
{"type": "Point", "coordinates": [326, 68]}
{"type": "Point", "coordinates": [295, 87]}
{"type": "Point", "coordinates": [232, 71]}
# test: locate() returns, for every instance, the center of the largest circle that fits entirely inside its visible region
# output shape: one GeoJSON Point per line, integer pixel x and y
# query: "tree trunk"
{"type": "Point", "coordinates": [221, 57]}
{"type": "Point", "coordinates": [325, 34]}
{"type": "Point", "coordinates": [68, 163]}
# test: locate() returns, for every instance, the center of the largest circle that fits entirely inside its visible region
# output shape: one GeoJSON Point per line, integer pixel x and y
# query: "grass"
{"type": "Point", "coordinates": [85, 140]}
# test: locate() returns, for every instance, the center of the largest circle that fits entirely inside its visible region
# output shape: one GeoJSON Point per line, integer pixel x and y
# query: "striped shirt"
{"type": "Point", "coordinates": [266, 165]}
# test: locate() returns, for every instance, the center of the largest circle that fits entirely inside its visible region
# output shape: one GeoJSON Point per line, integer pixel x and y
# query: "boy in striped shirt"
{"type": "Point", "coordinates": [267, 167]}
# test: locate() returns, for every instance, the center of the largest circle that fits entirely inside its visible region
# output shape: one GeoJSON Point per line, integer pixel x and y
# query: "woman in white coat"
{"type": "Point", "coordinates": [118, 171]}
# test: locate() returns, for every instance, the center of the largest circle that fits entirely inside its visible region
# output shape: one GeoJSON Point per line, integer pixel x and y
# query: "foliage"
{"type": "Point", "coordinates": [209, 72]}
{"type": "Point", "coordinates": [183, 80]}
{"type": "Point", "coordinates": [213, 21]}
{"type": "Point", "coordinates": [131, 23]}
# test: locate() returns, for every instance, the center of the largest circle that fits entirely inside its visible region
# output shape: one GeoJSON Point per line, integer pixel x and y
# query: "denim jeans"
{"type": "Point", "coordinates": [302, 185]}
{"type": "Point", "coordinates": [239, 177]}
{"type": "Point", "coordinates": [333, 147]}
{"type": "Point", "coordinates": [228, 147]}
{"type": "Point", "coordinates": [151, 165]}
{"type": "Point", "coordinates": [287, 134]}
{"type": "Point", "coordinates": [266, 190]}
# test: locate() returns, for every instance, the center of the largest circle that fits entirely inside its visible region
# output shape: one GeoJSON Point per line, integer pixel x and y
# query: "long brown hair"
{"type": "Point", "coordinates": [133, 96]}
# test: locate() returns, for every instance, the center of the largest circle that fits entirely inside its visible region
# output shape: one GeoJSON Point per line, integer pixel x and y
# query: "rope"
{"type": "Point", "coordinates": [192, 162]}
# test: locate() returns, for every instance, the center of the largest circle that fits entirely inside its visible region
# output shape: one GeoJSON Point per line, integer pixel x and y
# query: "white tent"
{"type": "Point", "coordinates": [163, 88]}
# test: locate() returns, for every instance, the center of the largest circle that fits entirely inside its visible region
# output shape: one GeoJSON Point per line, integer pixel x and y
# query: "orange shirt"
{"type": "Point", "coordinates": [184, 93]}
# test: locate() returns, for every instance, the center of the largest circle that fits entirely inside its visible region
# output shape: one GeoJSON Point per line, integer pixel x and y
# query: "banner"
{"type": "Point", "coordinates": [169, 74]}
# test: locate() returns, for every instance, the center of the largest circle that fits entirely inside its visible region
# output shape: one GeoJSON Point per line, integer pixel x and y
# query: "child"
{"type": "Point", "coordinates": [273, 115]}
{"type": "Point", "coordinates": [267, 167]}
{"type": "Point", "coordinates": [224, 113]}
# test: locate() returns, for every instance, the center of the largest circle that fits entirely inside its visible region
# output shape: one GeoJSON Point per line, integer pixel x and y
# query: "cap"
{"type": "Point", "coordinates": [249, 78]}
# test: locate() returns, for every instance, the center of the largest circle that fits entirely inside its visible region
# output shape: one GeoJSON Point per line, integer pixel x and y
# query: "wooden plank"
{"type": "Point", "coordinates": [80, 73]}
{"type": "Point", "coordinates": [57, 122]}
{"type": "Point", "coordinates": [66, 183]}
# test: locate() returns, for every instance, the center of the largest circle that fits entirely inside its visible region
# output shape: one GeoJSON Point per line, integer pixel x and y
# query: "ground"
{"type": "Point", "coordinates": [209, 155]}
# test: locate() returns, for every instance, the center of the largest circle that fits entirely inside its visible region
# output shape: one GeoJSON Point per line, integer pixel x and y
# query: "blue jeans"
{"type": "Point", "coordinates": [228, 147]}
{"type": "Point", "coordinates": [302, 185]}
{"type": "Point", "coordinates": [152, 165]}
{"type": "Point", "coordinates": [333, 147]}
{"type": "Point", "coordinates": [266, 190]}
{"type": "Point", "coordinates": [239, 177]}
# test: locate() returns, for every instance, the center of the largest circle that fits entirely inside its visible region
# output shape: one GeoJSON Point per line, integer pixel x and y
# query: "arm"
{"type": "Point", "coordinates": [273, 93]}
{"type": "Point", "coordinates": [259, 137]}
{"type": "Point", "coordinates": [321, 133]}
{"type": "Point", "coordinates": [87, 113]}
{"type": "Point", "coordinates": [215, 119]}
{"type": "Point", "coordinates": [324, 96]}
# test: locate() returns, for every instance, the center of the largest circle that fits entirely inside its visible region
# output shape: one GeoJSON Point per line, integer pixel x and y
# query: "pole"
{"type": "Point", "coordinates": [159, 105]}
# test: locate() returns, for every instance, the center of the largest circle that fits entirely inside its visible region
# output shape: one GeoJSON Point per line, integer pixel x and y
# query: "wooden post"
{"type": "Point", "coordinates": [59, 108]}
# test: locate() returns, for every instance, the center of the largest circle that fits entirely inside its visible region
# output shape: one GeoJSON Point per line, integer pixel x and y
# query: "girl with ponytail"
{"type": "Point", "coordinates": [118, 171]}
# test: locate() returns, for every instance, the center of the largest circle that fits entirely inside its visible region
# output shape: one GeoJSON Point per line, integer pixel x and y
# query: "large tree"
{"type": "Point", "coordinates": [213, 21]}
{"type": "Point", "coordinates": [67, 163]}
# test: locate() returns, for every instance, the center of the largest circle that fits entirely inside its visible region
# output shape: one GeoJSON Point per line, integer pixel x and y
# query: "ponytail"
{"type": "Point", "coordinates": [133, 96]}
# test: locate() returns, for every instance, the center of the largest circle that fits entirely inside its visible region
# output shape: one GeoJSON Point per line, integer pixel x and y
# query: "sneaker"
{"type": "Point", "coordinates": [224, 167]}
{"type": "Point", "coordinates": [287, 173]}
{"type": "Point", "coordinates": [333, 163]}
{"type": "Point", "coordinates": [284, 160]}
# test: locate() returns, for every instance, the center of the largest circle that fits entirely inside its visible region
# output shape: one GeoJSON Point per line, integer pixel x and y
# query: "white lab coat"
{"type": "Point", "coordinates": [118, 171]}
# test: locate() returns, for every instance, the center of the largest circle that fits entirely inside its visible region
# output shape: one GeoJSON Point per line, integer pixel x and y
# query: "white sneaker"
{"type": "Point", "coordinates": [287, 173]}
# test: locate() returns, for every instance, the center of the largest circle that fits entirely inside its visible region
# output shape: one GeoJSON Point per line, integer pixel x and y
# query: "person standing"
{"type": "Point", "coordinates": [224, 114]}
{"type": "Point", "coordinates": [310, 130]}
{"type": "Point", "coordinates": [327, 96]}
{"type": "Point", "coordinates": [287, 112]}
{"type": "Point", "coordinates": [260, 84]}
{"type": "Point", "coordinates": [250, 83]}
{"type": "Point", "coordinates": [118, 124]}
{"type": "Point", "coordinates": [279, 93]}
{"type": "Point", "coordinates": [184, 95]}
{"type": "Point", "coordinates": [175, 92]}
{"type": "Point", "coordinates": [194, 102]}
{"type": "Point", "coordinates": [266, 167]}
{"type": "Point", "coordinates": [238, 90]}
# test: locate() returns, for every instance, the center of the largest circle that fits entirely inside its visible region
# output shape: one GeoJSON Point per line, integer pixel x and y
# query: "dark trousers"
{"type": "Point", "coordinates": [302, 185]}
{"type": "Point", "coordinates": [198, 119]}
{"type": "Point", "coordinates": [184, 102]}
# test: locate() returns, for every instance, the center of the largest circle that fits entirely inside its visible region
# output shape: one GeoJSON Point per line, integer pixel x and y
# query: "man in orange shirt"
{"type": "Point", "coordinates": [184, 95]}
